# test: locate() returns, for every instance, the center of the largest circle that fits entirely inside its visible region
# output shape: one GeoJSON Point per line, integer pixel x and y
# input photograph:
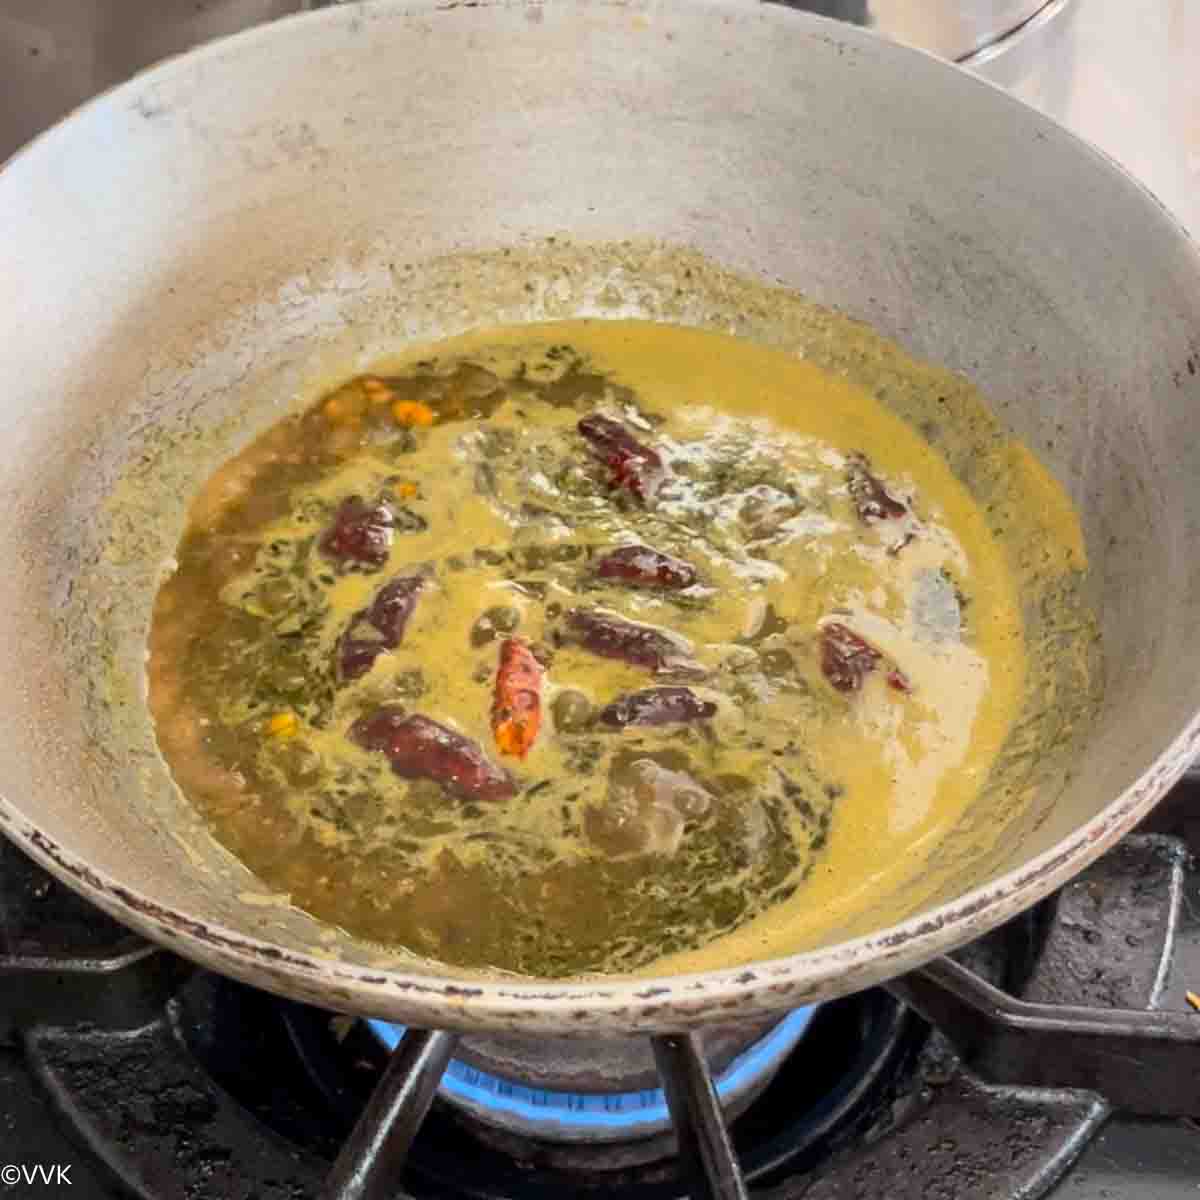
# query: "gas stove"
{"type": "Point", "coordinates": [127, 1073]}
{"type": "Point", "coordinates": [1055, 1059]}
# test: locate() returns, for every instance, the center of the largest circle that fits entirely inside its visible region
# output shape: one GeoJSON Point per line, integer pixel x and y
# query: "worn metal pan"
{"type": "Point", "coordinates": [192, 242]}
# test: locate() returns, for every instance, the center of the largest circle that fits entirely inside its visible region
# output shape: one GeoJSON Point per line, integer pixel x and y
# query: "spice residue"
{"type": "Point", "coordinates": [560, 648]}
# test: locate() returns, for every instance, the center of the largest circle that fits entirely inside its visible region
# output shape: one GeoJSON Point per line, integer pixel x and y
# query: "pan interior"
{"type": "Point", "coordinates": [291, 222]}
{"type": "Point", "coordinates": [825, 820]}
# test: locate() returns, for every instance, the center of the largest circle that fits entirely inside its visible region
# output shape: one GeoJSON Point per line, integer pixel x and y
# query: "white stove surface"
{"type": "Point", "coordinates": [1125, 75]}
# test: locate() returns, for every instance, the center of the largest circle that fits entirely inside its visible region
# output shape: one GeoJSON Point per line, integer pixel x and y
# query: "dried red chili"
{"type": "Point", "coordinates": [360, 535]}
{"type": "Point", "coordinates": [420, 748]}
{"type": "Point", "coordinates": [634, 467]}
{"type": "Point", "coordinates": [517, 707]}
{"type": "Point", "coordinates": [378, 627]}
{"type": "Point", "coordinates": [645, 646]}
{"type": "Point", "coordinates": [847, 659]}
{"type": "Point", "coordinates": [641, 566]}
{"type": "Point", "coordinates": [657, 706]}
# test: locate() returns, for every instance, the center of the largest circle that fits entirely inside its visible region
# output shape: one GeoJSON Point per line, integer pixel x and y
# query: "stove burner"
{"type": "Point", "coordinates": [602, 1116]}
{"type": "Point", "coordinates": [163, 1084]}
{"type": "Point", "coordinates": [848, 1066]}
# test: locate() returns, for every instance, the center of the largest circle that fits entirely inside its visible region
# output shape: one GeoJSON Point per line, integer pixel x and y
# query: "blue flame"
{"type": "Point", "coordinates": [633, 1114]}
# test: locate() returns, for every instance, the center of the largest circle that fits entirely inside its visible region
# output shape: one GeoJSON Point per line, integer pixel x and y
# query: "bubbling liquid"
{"type": "Point", "coordinates": [559, 648]}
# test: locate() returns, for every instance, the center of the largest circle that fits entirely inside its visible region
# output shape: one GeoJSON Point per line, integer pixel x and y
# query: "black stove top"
{"type": "Point", "coordinates": [126, 1073]}
{"type": "Point", "coordinates": [123, 1072]}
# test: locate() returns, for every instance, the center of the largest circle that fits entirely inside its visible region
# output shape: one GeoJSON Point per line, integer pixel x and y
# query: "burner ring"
{"type": "Point", "coordinates": [854, 1056]}
{"type": "Point", "coordinates": [550, 1114]}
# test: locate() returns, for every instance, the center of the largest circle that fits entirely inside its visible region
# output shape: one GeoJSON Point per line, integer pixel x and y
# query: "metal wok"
{"type": "Point", "coordinates": [187, 246]}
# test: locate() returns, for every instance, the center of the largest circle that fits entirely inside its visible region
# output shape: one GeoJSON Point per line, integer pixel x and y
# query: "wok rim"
{"type": "Point", "coordinates": [619, 1003]}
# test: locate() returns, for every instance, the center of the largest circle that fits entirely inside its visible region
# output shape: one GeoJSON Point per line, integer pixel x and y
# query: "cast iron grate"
{"type": "Point", "coordinates": [155, 1084]}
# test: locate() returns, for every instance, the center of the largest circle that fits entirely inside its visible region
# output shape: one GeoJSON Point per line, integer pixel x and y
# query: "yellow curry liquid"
{"type": "Point", "coordinates": [815, 801]}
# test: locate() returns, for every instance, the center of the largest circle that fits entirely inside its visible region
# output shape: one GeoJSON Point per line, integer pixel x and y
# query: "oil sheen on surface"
{"type": "Point", "coordinates": [843, 623]}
